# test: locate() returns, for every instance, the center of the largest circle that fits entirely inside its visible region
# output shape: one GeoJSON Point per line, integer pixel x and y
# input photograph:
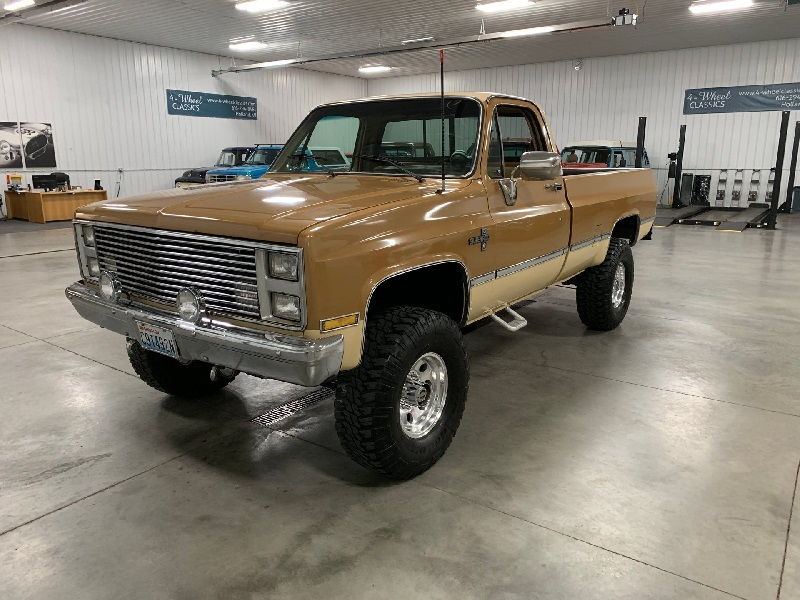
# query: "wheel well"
{"type": "Point", "coordinates": [441, 287]}
{"type": "Point", "coordinates": [627, 229]}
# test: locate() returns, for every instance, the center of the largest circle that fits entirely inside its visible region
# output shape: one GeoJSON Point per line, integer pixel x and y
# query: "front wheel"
{"type": "Point", "coordinates": [604, 292]}
{"type": "Point", "coordinates": [399, 410]}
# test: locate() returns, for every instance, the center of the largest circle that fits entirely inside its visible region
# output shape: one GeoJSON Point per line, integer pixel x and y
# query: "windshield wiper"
{"type": "Point", "coordinates": [394, 163]}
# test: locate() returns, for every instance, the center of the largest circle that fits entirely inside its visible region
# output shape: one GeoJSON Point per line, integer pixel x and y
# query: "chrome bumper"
{"type": "Point", "coordinates": [270, 355]}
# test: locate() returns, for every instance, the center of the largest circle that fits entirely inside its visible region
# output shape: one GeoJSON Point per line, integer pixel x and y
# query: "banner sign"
{"type": "Point", "coordinates": [201, 104]}
{"type": "Point", "coordinates": [745, 98]}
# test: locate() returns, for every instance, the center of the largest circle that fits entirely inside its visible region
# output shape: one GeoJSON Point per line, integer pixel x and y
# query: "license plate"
{"type": "Point", "coordinates": [157, 339]}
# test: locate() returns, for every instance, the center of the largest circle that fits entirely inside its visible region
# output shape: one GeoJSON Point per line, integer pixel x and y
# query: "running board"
{"type": "Point", "coordinates": [515, 325]}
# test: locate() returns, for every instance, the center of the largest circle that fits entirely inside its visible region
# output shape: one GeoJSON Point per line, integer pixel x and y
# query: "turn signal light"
{"type": "Point", "coordinates": [338, 322]}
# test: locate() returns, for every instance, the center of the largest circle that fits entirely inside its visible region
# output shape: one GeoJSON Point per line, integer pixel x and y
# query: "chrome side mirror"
{"type": "Point", "coordinates": [542, 166]}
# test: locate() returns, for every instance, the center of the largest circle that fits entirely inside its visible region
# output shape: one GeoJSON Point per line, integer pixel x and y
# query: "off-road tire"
{"type": "Point", "coordinates": [595, 286]}
{"type": "Point", "coordinates": [172, 377]}
{"type": "Point", "coordinates": [367, 405]}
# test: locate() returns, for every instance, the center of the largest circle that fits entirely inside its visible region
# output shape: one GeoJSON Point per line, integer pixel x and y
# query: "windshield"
{"type": "Point", "coordinates": [227, 159]}
{"type": "Point", "coordinates": [262, 156]}
{"type": "Point", "coordinates": [360, 136]}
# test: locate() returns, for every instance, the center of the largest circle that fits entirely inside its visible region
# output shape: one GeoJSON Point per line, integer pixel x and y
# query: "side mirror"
{"type": "Point", "coordinates": [542, 166]}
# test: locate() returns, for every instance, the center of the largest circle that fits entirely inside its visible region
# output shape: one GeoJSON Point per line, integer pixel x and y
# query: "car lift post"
{"type": "Point", "coordinates": [776, 188]}
{"type": "Point", "coordinates": [787, 204]}
{"type": "Point", "coordinates": [640, 142]}
{"type": "Point", "coordinates": [676, 194]}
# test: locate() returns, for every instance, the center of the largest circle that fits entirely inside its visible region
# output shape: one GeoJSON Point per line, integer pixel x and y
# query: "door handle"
{"type": "Point", "coordinates": [554, 187]}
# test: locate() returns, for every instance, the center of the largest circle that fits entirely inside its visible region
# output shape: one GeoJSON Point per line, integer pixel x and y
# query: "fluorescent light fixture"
{"type": "Point", "coordinates": [372, 69]}
{"type": "Point", "coordinates": [717, 6]}
{"type": "Point", "coordinates": [503, 5]}
{"type": "Point", "coordinates": [257, 6]}
{"type": "Point", "coordinates": [247, 46]}
{"type": "Point", "coordinates": [524, 32]}
{"type": "Point", "coordinates": [18, 5]}
{"type": "Point", "coordinates": [418, 40]}
{"type": "Point", "coordinates": [277, 63]}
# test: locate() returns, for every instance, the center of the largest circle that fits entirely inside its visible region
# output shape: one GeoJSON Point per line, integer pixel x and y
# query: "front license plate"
{"type": "Point", "coordinates": [157, 339]}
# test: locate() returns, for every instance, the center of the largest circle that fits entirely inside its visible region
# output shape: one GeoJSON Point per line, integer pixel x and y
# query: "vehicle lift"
{"type": "Point", "coordinates": [698, 209]}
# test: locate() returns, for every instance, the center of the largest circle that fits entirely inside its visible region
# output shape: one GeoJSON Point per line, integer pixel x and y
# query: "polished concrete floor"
{"type": "Point", "coordinates": [656, 461]}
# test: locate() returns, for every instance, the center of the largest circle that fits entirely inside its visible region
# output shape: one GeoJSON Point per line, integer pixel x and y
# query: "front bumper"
{"type": "Point", "coordinates": [264, 354]}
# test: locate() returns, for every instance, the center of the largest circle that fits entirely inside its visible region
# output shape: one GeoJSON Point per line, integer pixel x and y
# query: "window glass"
{"type": "Point", "coordinates": [516, 136]}
{"type": "Point", "coordinates": [495, 161]}
{"type": "Point", "coordinates": [586, 156]}
{"type": "Point", "coordinates": [374, 135]}
{"type": "Point", "coordinates": [262, 156]}
{"type": "Point", "coordinates": [226, 159]}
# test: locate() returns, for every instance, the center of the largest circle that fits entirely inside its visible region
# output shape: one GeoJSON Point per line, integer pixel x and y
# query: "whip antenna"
{"type": "Point", "coordinates": [441, 85]}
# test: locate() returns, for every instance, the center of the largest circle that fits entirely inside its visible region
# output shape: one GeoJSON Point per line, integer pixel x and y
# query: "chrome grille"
{"type": "Point", "coordinates": [156, 264]}
{"type": "Point", "coordinates": [220, 178]}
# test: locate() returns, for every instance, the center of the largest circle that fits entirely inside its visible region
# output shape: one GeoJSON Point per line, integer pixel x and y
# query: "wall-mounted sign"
{"type": "Point", "coordinates": [745, 98]}
{"type": "Point", "coordinates": [201, 104]}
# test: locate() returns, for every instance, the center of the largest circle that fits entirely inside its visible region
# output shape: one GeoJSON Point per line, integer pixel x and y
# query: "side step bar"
{"type": "Point", "coordinates": [517, 322]}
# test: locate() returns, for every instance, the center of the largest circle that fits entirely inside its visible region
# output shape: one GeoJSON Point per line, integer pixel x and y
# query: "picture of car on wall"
{"type": "Point", "coordinates": [37, 140]}
{"type": "Point", "coordinates": [10, 146]}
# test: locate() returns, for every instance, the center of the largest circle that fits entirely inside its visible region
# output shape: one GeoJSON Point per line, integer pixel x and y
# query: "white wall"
{"type": "Point", "coordinates": [605, 99]}
{"type": "Point", "coordinates": [106, 100]}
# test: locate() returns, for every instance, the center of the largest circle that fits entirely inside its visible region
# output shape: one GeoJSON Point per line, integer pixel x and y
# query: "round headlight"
{"type": "Point", "coordinates": [190, 306]}
{"type": "Point", "coordinates": [241, 177]}
{"type": "Point", "coordinates": [110, 287]}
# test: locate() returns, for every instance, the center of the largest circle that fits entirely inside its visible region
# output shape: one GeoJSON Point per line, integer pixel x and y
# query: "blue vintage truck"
{"type": "Point", "coordinates": [317, 159]}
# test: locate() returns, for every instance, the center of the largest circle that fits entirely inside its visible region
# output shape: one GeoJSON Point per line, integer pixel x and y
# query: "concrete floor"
{"type": "Point", "coordinates": [656, 461]}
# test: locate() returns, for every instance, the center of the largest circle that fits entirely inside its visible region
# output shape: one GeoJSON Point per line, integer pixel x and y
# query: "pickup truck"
{"type": "Point", "coordinates": [362, 277]}
{"type": "Point", "coordinates": [233, 156]}
{"type": "Point", "coordinates": [611, 154]}
{"type": "Point", "coordinates": [256, 164]}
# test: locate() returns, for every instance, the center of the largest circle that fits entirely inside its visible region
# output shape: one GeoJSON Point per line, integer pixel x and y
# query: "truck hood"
{"type": "Point", "coordinates": [274, 209]}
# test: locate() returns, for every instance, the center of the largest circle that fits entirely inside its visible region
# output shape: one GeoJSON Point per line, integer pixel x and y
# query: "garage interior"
{"type": "Point", "coordinates": [657, 460]}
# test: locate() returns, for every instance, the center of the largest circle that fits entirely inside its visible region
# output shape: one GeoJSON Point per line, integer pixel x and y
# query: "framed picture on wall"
{"type": "Point", "coordinates": [37, 140]}
{"type": "Point", "coordinates": [10, 145]}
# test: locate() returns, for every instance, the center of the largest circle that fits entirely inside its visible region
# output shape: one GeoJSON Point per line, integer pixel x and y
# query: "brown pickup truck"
{"type": "Point", "coordinates": [362, 275]}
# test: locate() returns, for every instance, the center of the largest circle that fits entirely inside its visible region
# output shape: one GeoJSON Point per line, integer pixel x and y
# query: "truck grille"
{"type": "Point", "coordinates": [157, 264]}
{"type": "Point", "coordinates": [220, 178]}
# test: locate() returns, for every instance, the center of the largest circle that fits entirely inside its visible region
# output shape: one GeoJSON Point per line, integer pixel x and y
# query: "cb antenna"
{"type": "Point", "coordinates": [441, 78]}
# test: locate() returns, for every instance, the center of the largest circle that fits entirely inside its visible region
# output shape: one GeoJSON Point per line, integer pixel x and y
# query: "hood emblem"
{"type": "Point", "coordinates": [482, 239]}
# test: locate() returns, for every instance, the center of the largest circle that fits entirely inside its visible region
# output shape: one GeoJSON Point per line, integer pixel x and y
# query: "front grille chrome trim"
{"type": "Point", "coordinates": [155, 264]}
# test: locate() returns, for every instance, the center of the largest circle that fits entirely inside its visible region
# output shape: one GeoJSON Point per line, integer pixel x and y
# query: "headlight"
{"type": "Point", "coordinates": [283, 265]}
{"type": "Point", "coordinates": [190, 306]}
{"type": "Point", "coordinates": [88, 236]}
{"type": "Point", "coordinates": [94, 267]}
{"type": "Point", "coordinates": [110, 287]}
{"type": "Point", "coordinates": [241, 177]}
{"type": "Point", "coordinates": [285, 306]}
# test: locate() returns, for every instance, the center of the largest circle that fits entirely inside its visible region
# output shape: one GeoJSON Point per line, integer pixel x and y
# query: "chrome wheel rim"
{"type": "Point", "coordinates": [618, 289]}
{"type": "Point", "coordinates": [423, 396]}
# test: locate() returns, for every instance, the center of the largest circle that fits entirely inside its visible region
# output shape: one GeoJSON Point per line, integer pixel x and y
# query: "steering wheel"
{"type": "Point", "coordinates": [459, 160]}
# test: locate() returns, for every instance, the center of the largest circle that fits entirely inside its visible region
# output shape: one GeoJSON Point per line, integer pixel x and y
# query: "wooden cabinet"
{"type": "Point", "coordinates": [41, 207]}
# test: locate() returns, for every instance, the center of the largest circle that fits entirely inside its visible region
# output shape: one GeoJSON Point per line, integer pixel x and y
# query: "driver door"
{"type": "Point", "coordinates": [530, 235]}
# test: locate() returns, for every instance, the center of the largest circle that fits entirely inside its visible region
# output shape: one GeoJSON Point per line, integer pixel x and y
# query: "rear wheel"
{"type": "Point", "coordinates": [604, 292]}
{"type": "Point", "coordinates": [399, 410]}
{"type": "Point", "coordinates": [172, 377]}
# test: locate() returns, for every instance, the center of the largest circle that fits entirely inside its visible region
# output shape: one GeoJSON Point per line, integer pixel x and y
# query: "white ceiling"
{"type": "Point", "coordinates": [324, 27]}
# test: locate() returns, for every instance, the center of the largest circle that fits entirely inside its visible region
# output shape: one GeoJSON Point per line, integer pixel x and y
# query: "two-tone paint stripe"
{"type": "Point", "coordinates": [535, 262]}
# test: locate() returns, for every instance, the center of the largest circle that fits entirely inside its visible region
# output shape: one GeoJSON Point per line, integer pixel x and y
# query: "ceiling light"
{"type": "Point", "coordinates": [247, 46]}
{"type": "Point", "coordinates": [502, 5]}
{"type": "Point", "coordinates": [371, 69]}
{"type": "Point", "coordinates": [718, 6]}
{"type": "Point", "coordinates": [277, 63]}
{"type": "Point", "coordinates": [418, 40]}
{"type": "Point", "coordinates": [18, 5]}
{"type": "Point", "coordinates": [524, 32]}
{"type": "Point", "coordinates": [257, 6]}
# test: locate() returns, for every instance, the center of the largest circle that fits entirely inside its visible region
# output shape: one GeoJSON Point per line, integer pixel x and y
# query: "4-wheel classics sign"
{"type": "Point", "coordinates": [745, 98]}
{"type": "Point", "coordinates": [201, 104]}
